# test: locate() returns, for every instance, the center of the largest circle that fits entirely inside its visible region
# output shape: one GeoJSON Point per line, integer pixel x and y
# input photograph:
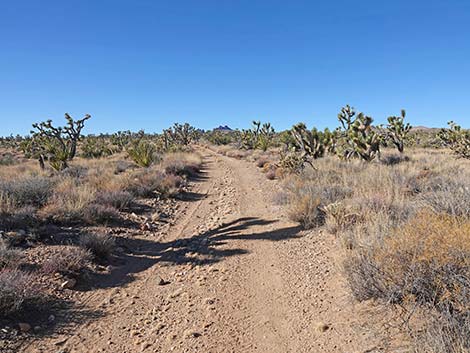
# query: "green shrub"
{"type": "Point", "coordinates": [143, 153]}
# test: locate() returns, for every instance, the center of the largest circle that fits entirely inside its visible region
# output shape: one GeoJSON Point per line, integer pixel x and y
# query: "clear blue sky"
{"type": "Point", "coordinates": [145, 64]}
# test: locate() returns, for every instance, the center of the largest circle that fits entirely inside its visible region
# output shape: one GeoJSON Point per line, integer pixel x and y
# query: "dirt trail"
{"type": "Point", "coordinates": [241, 279]}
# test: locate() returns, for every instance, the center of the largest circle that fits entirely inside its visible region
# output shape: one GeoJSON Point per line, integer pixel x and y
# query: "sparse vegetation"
{"type": "Point", "coordinates": [404, 226]}
{"type": "Point", "coordinates": [403, 220]}
{"type": "Point", "coordinates": [68, 260]}
{"type": "Point", "coordinates": [16, 290]}
{"type": "Point", "coordinates": [100, 245]}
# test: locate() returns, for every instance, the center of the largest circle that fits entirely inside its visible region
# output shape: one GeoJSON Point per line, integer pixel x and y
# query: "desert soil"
{"type": "Point", "coordinates": [232, 274]}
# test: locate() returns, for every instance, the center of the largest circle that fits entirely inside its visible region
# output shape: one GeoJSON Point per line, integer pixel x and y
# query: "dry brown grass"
{"type": "Point", "coordinates": [405, 225]}
{"type": "Point", "coordinates": [100, 245]}
{"type": "Point", "coordinates": [90, 191]}
{"type": "Point", "coordinates": [16, 290]}
{"type": "Point", "coordinates": [182, 164]}
{"type": "Point", "coordinates": [69, 260]}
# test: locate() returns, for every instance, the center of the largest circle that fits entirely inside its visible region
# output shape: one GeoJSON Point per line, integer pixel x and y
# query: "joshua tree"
{"type": "Point", "coordinates": [397, 130]}
{"type": "Point", "coordinates": [57, 144]}
{"type": "Point", "coordinates": [457, 139]}
{"type": "Point", "coordinates": [358, 138]}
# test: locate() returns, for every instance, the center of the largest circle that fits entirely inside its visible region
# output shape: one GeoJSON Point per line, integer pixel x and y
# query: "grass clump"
{"type": "Point", "coordinates": [27, 191]}
{"type": "Point", "coordinates": [9, 257]}
{"type": "Point", "coordinates": [182, 164]}
{"type": "Point", "coordinates": [120, 200]}
{"type": "Point", "coordinates": [70, 260]}
{"type": "Point", "coordinates": [307, 201]}
{"type": "Point", "coordinates": [100, 245]}
{"type": "Point", "coordinates": [150, 183]}
{"type": "Point", "coordinates": [16, 290]}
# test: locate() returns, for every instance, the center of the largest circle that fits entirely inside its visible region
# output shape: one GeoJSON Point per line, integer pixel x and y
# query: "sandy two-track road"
{"type": "Point", "coordinates": [241, 278]}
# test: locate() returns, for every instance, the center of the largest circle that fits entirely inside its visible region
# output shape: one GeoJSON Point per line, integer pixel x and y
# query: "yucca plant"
{"type": "Point", "coordinates": [143, 153]}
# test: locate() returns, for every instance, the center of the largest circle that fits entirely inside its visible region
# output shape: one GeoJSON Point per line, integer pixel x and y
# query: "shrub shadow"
{"type": "Point", "coordinates": [201, 249]}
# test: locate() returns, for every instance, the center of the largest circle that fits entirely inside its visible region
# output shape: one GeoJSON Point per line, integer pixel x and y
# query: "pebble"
{"type": "Point", "coordinates": [191, 334]}
{"type": "Point", "coordinates": [322, 327]}
{"type": "Point", "coordinates": [69, 284]}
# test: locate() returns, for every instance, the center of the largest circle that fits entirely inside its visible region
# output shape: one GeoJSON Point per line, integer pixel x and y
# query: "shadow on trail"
{"type": "Point", "coordinates": [201, 249]}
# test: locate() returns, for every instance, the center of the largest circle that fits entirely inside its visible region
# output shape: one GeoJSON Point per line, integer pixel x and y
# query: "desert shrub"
{"type": "Point", "coordinates": [99, 214]}
{"type": "Point", "coordinates": [9, 257]}
{"type": "Point", "coordinates": [182, 164]}
{"type": "Point", "coordinates": [451, 198]}
{"type": "Point", "coordinates": [32, 191]}
{"type": "Point", "coordinates": [16, 290]}
{"type": "Point", "coordinates": [69, 260]}
{"type": "Point", "coordinates": [340, 216]}
{"type": "Point", "coordinates": [238, 154]}
{"type": "Point", "coordinates": [75, 171]}
{"type": "Point", "coordinates": [7, 159]}
{"type": "Point", "coordinates": [11, 218]}
{"type": "Point", "coordinates": [96, 147]}
{"type": "Point", "coordinates": [444, 334]}
{"type": "Point", "coordinates": [68, 203]}
{"type": "Point", "coordinates": [143, 153]}
{"type": "Point", "coordinates": [100, 245]}
{"type": "Point", "coordinates": [103, 179]}
{"type": "Point", "coordinates": [118, 199]}
{"type": "Point", "coordinates": [218, 137]}
{"type": "Point", "coordinates": [397, 209]}
{"type": "Point", "coordinates": [122, 166]}
{"type": "Point", "coordinates": [149, 183]}
{"type": "Point", "coordinates": [307, 201]}
{"type": "Point", "coordinates": [426, 261]}
{"type": "Point", "coordinates": [393, 158]}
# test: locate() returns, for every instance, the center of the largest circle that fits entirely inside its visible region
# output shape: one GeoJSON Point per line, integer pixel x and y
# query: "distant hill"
{"type": "Point", "coordinates": [424, 128]}
{"type": "Point", "coordinates": [223, 128]}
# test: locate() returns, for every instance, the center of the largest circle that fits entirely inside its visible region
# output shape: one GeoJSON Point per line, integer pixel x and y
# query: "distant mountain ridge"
{"type": "Point", "coordinates": [223, 128]}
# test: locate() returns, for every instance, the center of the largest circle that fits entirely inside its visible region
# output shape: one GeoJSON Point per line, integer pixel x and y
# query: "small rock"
{"type": "Point", "coordinates": [322, 327]}
{"type": "Point", "coordinates": [162, 282]}
{"type": "Point", "coordinates": [191, 334]}
{"type": "Point", "coordinates": [69, 284]}
{"type": "Point", "coordinates": [51, 318]}
{"type": "Point", "coordinates": [209, 301]}
{"type": "Point", "coordinates": [24, 327]}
